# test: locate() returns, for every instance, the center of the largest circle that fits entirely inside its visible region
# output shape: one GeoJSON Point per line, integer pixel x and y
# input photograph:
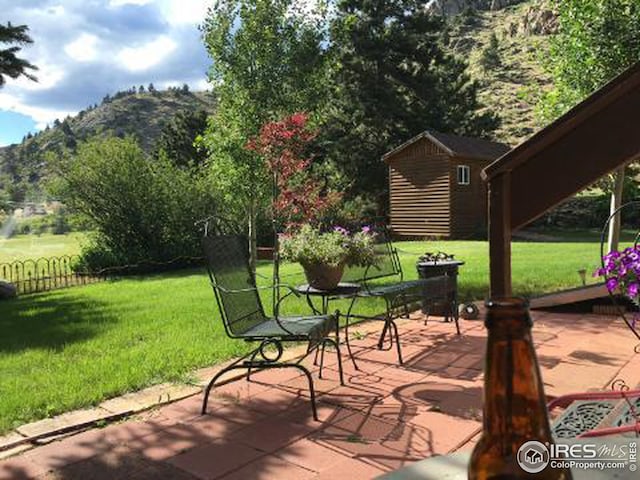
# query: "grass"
{"type": "Point", "coordinates": [22, 247]}
{"type": "Point", "coordinates": [73, 348]}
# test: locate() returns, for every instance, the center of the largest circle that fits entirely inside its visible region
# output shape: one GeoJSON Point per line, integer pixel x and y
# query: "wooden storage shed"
{"type": "Point", "coordinates": [435, 188]}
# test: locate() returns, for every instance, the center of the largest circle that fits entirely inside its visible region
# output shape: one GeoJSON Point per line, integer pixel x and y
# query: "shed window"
{"type": "Point", "coordinates": [464, 175]}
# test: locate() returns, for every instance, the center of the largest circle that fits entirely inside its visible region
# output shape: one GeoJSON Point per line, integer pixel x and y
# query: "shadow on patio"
{"type": "Point", "coordinates": [384, 417]}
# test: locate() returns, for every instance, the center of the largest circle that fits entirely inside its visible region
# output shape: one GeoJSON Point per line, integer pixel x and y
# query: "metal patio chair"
{"type": "Point", "coordinates": [244, 318]}
{"type": "Point", "coordinates": [398, 294]}
{"type": "Point", "coordinates": [597, 414]}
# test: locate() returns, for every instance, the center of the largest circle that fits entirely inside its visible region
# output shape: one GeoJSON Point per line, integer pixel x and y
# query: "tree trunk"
{"type": "Point", "coordinates": [253, 237]}
{"type": "Point", "coordinates": [616, 202]}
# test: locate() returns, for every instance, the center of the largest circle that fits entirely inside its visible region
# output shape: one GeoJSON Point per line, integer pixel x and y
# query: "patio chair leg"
{"type": "Point", "coordinates": [456, 317]}
{"type": "Point", "coordinates": [250, 362]}
{"type": "Point", "coordinates": [336, 345]}
{"type": "Point", "coordinates": [406, 307]}
{"type": "Point", "coordinates": [210, 385]}
{"type": "Point", "coordinates": [395, 328]}
{"type": "Point", "coordinates": [312, 391]}
{"type": "Point", "coordinates": [322, 358]}
{"type": "Point", "coordinates": [315, 357]}
{"type": "Point", "coordinates": [383, 334]}
{"type": "Point", "coordinates": [346, 334]}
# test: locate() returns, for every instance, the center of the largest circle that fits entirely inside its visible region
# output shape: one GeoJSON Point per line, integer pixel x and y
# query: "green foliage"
{"type": "Point", "coordinates": [267, 62]}
{"type": "Point", "coordinates": [179, 136]}
{"type": "Point", "coordinates": [10, 64]}
{"type": "Point", "coordinates": [490, 56]}
{"type": "Point", "coordinates": [60, 338]}
{"type": "Point", "coordinates": [25, 165]}
{"type": "Point", "coordinates": [142, 210]}
{"type": "Point", "coordinates": [392, 80]}
{"type": "Point", "coordinates": [588, 212]}
{"type": "Point", "coordinates": [597, 40]}
{"type": "Point", "coordinates": [311, 246]}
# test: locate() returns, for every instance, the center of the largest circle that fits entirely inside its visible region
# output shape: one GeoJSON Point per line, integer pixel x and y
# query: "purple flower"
{"type": "Point", "coordinates": [366, 229]}
{"type": "Point", "coordinates": [612, 284]}
{"type": "Point", "coordinates": [632, 289]}
{"type": "Point", "coordinates": [341, 230]}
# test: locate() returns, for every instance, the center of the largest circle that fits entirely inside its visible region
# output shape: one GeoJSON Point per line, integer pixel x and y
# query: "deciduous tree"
{"type": "Point", "coordinates": [267, 62]}
{"type": "Point", "coordinates": [597, 40]}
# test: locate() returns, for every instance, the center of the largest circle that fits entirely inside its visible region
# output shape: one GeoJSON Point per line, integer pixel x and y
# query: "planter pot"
{"type": "Point", "coordinates": [323, 277]}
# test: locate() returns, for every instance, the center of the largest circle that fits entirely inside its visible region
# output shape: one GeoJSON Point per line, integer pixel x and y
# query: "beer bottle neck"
{"type": "Point", "coordinates": [514, 404]}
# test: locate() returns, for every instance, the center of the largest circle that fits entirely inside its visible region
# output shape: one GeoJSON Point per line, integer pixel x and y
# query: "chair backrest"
{"type": "Point", "coordinates": [387, 261]}
{"type": "Point", "coordinates": [227, 260]}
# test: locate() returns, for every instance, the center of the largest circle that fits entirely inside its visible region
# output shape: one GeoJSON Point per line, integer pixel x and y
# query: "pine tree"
{"type": "Point", "coordinates": [393, 80]}
{"type": "Point", "coordinates": [179, 135]}
{"type": "Point", "coordinates": [490, 57]}
{"type": "Point", "coordinates": [10, 64]}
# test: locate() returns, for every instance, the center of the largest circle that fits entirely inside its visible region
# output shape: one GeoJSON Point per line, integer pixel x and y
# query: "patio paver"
{"type": "Point", "coordinates": [384, 417]}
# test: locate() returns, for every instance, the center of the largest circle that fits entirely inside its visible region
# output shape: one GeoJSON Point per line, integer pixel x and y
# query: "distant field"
{"type": "Point", "coordinates": [22, 247]}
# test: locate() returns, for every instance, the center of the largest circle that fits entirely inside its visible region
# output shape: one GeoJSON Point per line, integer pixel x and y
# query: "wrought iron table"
{"type": "Point", "coordinates": [342, 291]}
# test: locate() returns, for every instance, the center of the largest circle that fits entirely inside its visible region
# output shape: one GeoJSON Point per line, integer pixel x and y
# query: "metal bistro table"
{"type": "Point", "coordinates": [449, 269]}
{"type": "Point", "coordinates": [342, 291]}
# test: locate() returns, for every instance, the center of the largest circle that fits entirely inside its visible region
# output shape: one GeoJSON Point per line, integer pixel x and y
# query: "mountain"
{"type": "Point", "coordinates": [510, 73]}
{"type": "Point", "coordinates": [503, 40]}
{"type": "Point", "coordinates": [140, 113]}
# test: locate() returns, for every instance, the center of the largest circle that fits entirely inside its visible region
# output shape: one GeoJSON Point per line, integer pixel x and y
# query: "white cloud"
{"type": "Point", "coordinates": [202, 84]}
{"type": "Point", "coordinates": [119, 3]}
{"type": "Point", "coordinates": [185, 11]}
{"type": "Point", "coordinates": [41, 115]}
{"type": "Point", "coordinates": [83, 48]}
{"type": "Point", "coordinates": [48, 77]}
{"type": "Point", "coordinates": [146, 56]}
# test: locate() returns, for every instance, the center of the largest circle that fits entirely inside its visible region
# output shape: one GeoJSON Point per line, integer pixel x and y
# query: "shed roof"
{"type": "Point", "coordinates": [456, 145]}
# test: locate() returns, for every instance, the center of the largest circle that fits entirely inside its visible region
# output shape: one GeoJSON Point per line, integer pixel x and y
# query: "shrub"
{"type": "Point", "coordinates": [490, 56]}
{"type": "Point", "coordinates": [585, 212]}
{"type": "Point", "coordinates": [142, 210]}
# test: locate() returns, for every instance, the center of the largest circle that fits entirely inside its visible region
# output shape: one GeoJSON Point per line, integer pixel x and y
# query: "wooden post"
{"type": "Point", "coordinates": [500, 235]}
{"type": "Point", "coordinates": [616, 203]}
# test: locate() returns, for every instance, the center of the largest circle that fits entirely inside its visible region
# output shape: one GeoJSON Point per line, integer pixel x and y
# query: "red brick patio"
{"type": "Point", "coordinates": [386, 416]}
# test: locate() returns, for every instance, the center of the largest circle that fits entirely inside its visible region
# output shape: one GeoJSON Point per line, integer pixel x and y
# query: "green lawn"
{"type": "Point", "coordinates": [72, 348]}
{"type": "Point", "coordinates": [22, 247]}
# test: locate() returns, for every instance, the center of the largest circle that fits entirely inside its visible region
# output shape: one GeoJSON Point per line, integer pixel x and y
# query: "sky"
{"type": "Point", "coordinates": [85, 49]}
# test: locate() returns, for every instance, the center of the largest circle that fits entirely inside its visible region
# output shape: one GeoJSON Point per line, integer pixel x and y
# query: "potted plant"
{"type": "Point", "coordinates": [324, 254]}
{"type": "Point", "coordinates": [622, 272]}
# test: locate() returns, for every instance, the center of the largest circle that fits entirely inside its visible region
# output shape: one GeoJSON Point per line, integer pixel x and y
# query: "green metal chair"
{"type": "Point", "coordinates": [244, 318]}
{"type": "Point", "coordinates": [384, 280]}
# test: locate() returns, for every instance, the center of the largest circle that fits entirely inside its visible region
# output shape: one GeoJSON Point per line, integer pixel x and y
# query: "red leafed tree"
{"type": "Point", "coordinates": [284, 144]}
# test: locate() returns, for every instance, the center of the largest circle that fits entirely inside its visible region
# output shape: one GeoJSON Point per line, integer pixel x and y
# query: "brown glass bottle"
{"type": "Point", "coordinates": [514, 403]}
